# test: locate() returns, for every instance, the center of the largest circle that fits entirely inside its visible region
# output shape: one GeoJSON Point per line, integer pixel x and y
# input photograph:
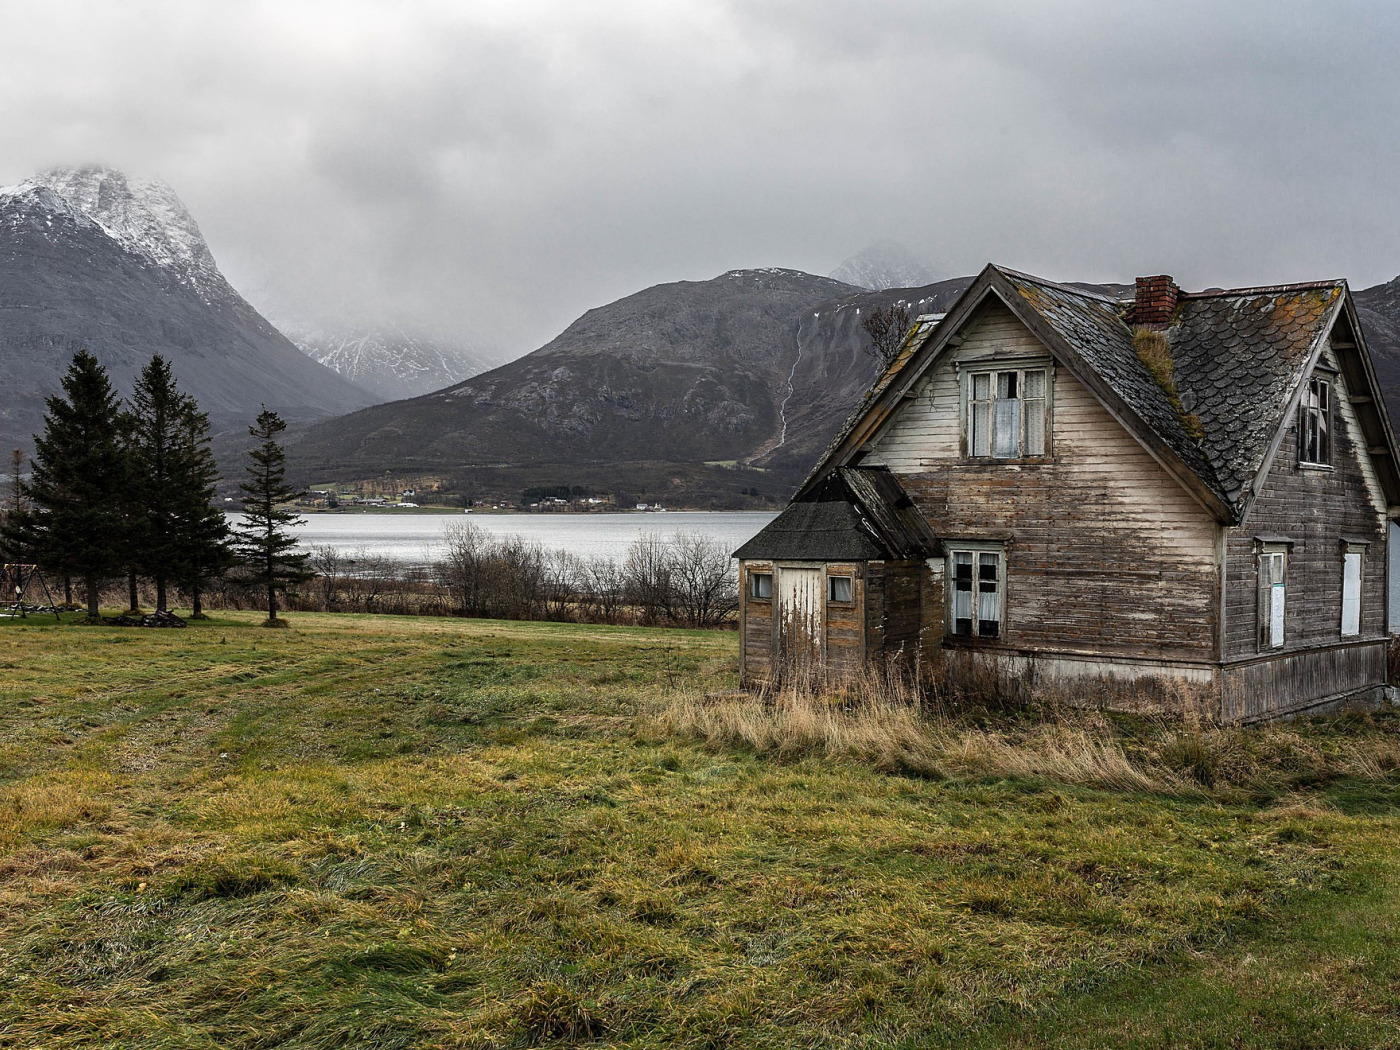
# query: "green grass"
{"type": "Point", "coordinates": [371, 831]}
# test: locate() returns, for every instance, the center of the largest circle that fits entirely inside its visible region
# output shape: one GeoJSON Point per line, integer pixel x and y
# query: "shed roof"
{"type": "Point", "coordinates": [1239, 358]}
{"type": "Point", "coordinates": [855, 514]}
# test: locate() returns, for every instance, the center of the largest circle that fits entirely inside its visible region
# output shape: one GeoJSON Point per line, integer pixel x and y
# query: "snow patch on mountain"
{"type": "Point", "coordinates": [887, 264]}
{"type": "Point", "coordinates": [144, 215]}
{"type": "Point", "coordinates": [38, 206]}
{"type": "Point", "coordinates": [389, 363]}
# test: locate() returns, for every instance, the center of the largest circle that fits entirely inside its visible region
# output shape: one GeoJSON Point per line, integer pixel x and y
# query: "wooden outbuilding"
{"type": "Point", "coordinates": [1173, 489]}
{"type": "Point", "coordinates": [834, 580]}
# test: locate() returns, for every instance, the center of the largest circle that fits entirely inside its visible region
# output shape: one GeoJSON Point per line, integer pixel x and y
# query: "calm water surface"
{"type": "Point", "coordinates": [418, 538]}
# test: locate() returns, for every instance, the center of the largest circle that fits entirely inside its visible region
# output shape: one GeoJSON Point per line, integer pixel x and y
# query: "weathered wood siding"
{"type": "Point", "coordinates": [755, 628]}
{"type": "Point", "coordinates": [1271, 686]}
{"type": "Point", "coordinates": [845, 627]}
{"type": "Point", "coordinates": [1105, 552]}
{"type": "Point", "coordinates": [874, 612]}
{"type": "Point", "coordinates": [903, 612]}
{"type": "Point", "coordinates": [1317, 509]}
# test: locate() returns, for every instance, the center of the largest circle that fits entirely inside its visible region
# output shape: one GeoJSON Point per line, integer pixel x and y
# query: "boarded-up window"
{"type": "Point", "coordinates": [1351, 593]}
{"type": "Point", "coordinates": [1314, 423]}
{"type": "Point", "coordinates": [1273, 576]}
{"type": "Point", "coordinates": [975, 608]}
{"type": "Point", "coordinates": [839, 588]}
{"type": "Point", "coordinates": [1006, 412]}
{"type": "Point", "coordinates": [760, 585]}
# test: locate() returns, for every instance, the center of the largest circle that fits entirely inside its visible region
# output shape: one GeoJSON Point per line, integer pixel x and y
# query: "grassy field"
{"type": "Point", "coordinates": [370, 831]}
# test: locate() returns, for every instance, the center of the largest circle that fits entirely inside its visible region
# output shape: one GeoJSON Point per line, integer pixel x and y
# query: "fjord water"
{"type": "Point", "coordinates": [418, 538]}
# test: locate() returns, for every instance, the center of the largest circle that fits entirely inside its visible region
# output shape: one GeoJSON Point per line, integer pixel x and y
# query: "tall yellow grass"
{"type": "Point", "coordinates": [881, 719]}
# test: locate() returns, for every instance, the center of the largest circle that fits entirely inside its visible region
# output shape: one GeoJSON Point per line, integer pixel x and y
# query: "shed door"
{"type": "Point", "coordinates": [800, 604]}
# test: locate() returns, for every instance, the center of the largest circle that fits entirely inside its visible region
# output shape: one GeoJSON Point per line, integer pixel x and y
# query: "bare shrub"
{"type": "Point", "coordinates": [646, 574]}
{"type": "Point", "coordinates": [688, 580]}
{"type": "Point", "coordinates": [704, 586]}
{"type": "Point", "coordinates": [604, 588]}
{"type": "Point", "coordinates": [327, 563]}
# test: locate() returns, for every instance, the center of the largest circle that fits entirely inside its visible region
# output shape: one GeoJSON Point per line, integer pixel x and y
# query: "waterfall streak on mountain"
{"type": "Point", "coordinates": [782, 408]}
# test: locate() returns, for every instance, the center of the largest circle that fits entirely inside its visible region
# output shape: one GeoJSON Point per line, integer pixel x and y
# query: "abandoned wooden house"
{"type": "Point", "coordinates": [1181, 487]}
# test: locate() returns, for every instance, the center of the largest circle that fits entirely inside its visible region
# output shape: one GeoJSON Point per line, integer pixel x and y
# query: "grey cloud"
{"type": "Point", "coordinates": [494, 169]}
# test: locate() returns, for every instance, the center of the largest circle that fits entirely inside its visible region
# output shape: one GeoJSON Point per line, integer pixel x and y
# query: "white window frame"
{"type": "Point", "coordinates": [756, 587]}
{"type": "Point", "coordinates": [1272, 562]}
{"type": "Point", "coordinates": [983, 405]}
{"type": "Point", "coordinates": [1352, 554]}
{"type": "Point", "coordinates": [976, 551]}
{"type": "Point", "coordinates": [1315, 422]}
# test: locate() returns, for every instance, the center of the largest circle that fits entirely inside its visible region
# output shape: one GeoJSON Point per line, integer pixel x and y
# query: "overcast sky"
{"type": "Point", "coordinates": [494, 169]}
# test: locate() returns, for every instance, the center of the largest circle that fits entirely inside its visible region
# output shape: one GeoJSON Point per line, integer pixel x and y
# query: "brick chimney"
{"type": "Point", "coordinates": [1154, 299]}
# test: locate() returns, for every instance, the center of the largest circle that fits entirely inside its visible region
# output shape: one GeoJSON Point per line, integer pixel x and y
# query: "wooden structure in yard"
{"type": "Point", "coordinates": [1130, 495]}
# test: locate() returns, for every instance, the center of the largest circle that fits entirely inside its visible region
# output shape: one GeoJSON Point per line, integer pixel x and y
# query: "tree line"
{"type": "Point", "coordinates": [127, 490]}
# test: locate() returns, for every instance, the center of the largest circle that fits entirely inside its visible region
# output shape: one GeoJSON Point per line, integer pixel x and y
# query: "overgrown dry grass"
{"type": "Point", "coordinates": [881, 719]}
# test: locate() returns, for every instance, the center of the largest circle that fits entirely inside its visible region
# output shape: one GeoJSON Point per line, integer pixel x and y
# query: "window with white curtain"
{"type": "Point", "coordinates": [1006, 413]}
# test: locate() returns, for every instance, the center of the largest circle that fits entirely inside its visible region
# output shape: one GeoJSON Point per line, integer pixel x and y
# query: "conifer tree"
{"type": "Point", "coordinates": [157, 454]}
{"type": "Point", "coordinates": [72, 523]}
{"type": "Point", "coordinates": [205, 552]}
{"type": "Point", "coordinates": [264, 544]}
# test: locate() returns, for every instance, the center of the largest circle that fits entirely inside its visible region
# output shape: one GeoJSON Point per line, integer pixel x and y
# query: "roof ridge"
{"type": "Point", "coordinates": [1071, 289]}
{"type": "Point", "coordinates": [1262, 289]}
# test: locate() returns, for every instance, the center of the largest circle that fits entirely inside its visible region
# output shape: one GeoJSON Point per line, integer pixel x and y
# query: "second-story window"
{"type": "Point", "coordinates": [1006, 413]}
{"type": "Point", "coordinates": [1314, 423]}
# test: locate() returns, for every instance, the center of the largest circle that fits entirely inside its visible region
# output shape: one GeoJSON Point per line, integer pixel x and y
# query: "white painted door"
{"type": "Point", "coordinates": [800, 603]}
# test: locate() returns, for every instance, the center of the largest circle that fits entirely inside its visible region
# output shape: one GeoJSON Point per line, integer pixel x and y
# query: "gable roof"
{"type": "Point", "coordinates": [855, 514]}
{"type": "Point", "coordinates": [1240, 358]}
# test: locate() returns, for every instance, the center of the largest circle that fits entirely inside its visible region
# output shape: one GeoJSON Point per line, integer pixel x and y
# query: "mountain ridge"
{"type": "Point", "coordinates": [69, 280]}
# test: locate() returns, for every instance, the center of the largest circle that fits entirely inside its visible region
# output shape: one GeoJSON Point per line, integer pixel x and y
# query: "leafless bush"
{"type": "Point", "coordinates": [688, 580]}
{"type": "Point", "coordinates": [603, 587]}
{"type": "Point", "coordinates": [327, 563]}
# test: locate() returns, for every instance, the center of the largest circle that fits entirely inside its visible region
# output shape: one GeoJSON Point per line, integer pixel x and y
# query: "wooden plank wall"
{"type": "Point", "coordinates": [903, 607]}
{"type": "Point", "coordinates": [1264, 688]}
{"type": "Point", "coordinates": [845, 635]}
{"type": "Point", "coordinates": [1315, 509]}
{"type": "Point", "coordinates": [755, 628]}
{"type": "Point", "coordinates": [1105, 551]}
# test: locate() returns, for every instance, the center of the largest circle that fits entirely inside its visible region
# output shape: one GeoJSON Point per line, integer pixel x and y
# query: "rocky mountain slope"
{"type": "Point", "coordinates": [389, 363]}
{"type": "Point", "coordinates": [678, 391]}
{"type": "Point", "coordinates": [91, 259]}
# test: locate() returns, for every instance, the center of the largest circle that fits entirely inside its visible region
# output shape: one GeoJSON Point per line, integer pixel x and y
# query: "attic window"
{"type": "Point", "coordinates": [1006, 413]}
{"type": "Point", "coordinates": [1314, 423]}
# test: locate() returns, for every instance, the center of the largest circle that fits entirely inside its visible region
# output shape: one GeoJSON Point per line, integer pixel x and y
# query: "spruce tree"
{"type": "Point", "coordinates": [72, 523]}
{"type": "Point", "coordinates": [157, 453]}
{"type": "Point", "coordinates": [265, 546]}
{"type": "Point", "coordinates": [204, 551]}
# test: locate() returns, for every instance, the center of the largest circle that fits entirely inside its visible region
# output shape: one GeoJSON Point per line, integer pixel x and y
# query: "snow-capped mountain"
{"type": "Point", "coordinates": [145, 216]}
{"type": "Point", "coordinates": [887, 264]}
{"type": "Point", "coordinates": [389, 363]}
{"type": "Point", "coordinates": [91, 259]}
